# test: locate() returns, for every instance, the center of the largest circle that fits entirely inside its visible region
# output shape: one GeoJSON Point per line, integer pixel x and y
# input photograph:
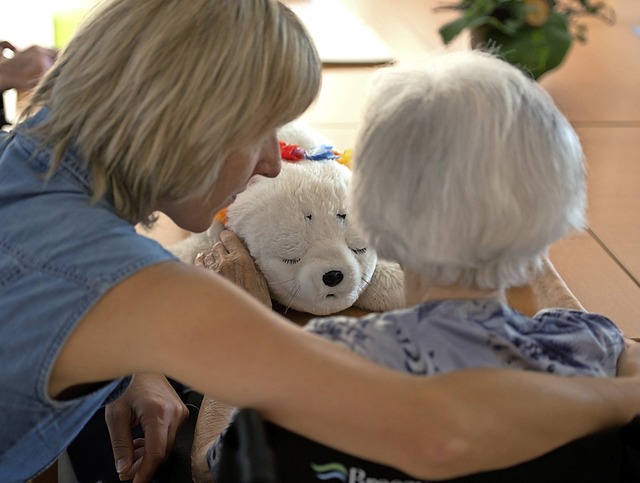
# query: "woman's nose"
{"type": "Point", "coordinates": [269, 162]}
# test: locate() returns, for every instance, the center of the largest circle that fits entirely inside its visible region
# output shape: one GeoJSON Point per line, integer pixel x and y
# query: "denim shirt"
{"type": "Point", "coordinates": [59, 254]}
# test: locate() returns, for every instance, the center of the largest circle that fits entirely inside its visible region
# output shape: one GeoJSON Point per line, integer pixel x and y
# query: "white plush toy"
{"type": "Point", "coordinates": [298, 229]}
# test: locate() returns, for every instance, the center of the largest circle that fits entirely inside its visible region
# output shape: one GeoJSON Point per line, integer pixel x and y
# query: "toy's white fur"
{"type": "Point", "coordinates": [465, 133]}
{"type": "Point", "coordinates": [299, 229]}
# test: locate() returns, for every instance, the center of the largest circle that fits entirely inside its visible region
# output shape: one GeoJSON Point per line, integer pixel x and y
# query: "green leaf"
{"type": "Point", "coordinates": [452, 29]}
{"type": "Point", "coordinates": [535, 50]}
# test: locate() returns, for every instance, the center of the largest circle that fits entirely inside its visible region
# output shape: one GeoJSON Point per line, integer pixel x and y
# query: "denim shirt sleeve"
{"type": "Point", "coordinates": [59, 254]}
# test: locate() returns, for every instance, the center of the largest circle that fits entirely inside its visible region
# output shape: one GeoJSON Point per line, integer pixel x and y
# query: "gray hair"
{"type": "Point", "coordinates": [155, 94]}
{"type": "Point", "coordinates": [465, 171]}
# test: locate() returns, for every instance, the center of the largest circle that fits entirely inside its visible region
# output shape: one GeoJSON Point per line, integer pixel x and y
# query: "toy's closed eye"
{"type": "Point", "coordinates": [290, 261]}
{"type": "Point", "coordinates": [358, 251]}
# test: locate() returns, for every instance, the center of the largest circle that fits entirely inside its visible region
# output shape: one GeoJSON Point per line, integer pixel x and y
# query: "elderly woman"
{"type": "Point", "coordinates": [172, 106]}
{"type": "Point", "coordinates": [465, 172]}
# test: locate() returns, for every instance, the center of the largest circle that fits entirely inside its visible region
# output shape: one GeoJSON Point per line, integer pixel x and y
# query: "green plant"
{"type": "Point", "coordinates": [532, 34]}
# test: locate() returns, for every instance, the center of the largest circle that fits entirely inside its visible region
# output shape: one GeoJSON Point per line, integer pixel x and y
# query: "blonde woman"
{"type": "Point", "coordinates": [172, 105]}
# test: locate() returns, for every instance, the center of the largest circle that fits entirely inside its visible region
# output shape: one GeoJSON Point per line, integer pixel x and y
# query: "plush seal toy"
{"type": "Point", "coordinates": [299, 231]}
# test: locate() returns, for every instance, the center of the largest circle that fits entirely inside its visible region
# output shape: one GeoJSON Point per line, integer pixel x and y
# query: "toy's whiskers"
{"type": "Point", "coordinates": [294, 291]}
{"type": "Point", "coordinates": [282, 283]}
{"type": "Point", "coordinates": [377, 295]}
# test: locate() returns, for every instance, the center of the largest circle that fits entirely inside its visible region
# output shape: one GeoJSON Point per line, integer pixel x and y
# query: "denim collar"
{"type": "Point", "coordinates": [71, 161]}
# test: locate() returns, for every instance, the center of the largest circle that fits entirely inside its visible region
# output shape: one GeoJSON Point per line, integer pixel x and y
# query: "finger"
{"type": "Point", "coordinates": [138, 444]}
{"type": "Point", "coordinates": [156, 449]}
{"type": "Point", "coordinates": [220, 249]}
{"type": "Point", "coordinates": [138, 456]}
{"type": "Point", "coordinates": [175, 426]}
{"type": "Point", "coordinates": [199, 260]}
{"type": "Point", "coordinates": [7, 45]}
{"type": "Point", "coordinates": [232, 242]}
{"type": "Point", "coordinates": [209, 262]}
{"type": "Point", "coordinates": [118, 419]}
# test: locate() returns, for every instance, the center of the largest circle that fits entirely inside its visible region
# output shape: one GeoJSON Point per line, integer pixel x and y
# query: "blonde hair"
{"type": "Point", "coordinates": [465, 171]}
{"type": "Point", "coordinates": [155, 94]}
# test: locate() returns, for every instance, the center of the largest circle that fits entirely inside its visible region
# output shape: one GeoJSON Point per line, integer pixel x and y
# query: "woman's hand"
{"type": "Point", "coordinates": [231, 259]}
{"type": "Point", "coordinates": [26, 67]}
{"type": "Point", "coordinates": [151, 403]}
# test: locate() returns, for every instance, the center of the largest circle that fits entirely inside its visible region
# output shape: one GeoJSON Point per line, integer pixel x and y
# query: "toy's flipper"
{"type": "Point", "coordinates": [385, 290]}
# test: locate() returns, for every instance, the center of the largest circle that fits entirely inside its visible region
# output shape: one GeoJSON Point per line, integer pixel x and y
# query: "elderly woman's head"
{"type": "Point", "coordinates": [465, 171]}
{"type": "Point", "coordinates": [157, 94]}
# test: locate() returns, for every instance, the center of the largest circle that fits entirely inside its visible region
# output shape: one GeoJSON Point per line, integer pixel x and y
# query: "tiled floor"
{"type": "Point", "coordinates": [598, 88]}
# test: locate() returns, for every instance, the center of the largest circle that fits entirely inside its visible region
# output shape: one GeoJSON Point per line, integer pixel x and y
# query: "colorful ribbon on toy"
{"type": "Point", "coordinates": [293, 153]}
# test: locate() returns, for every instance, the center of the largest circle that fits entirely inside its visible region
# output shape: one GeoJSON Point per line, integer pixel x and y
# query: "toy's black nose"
{"type": "Point", "coordinates": [332, 278]}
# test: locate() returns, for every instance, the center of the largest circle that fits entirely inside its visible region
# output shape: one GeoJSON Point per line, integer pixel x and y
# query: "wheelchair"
{"type": "Point", "coordinates": [256, 451]}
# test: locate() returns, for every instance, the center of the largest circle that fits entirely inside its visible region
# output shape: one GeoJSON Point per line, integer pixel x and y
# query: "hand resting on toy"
{"type": "Point", "coordinates": [231, 259]}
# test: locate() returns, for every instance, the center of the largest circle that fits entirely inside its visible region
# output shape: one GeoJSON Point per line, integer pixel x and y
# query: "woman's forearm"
{"type": "Point", "coordinates": [435, 427]}
{"type": "Point", "coordinates": [443, 426]}
{"type": "Point", "coordinates": [213, 418]}
{"type": "Point", "coordinates": [232, 348]}
{"type": "Point", "coordinates": [467, 421]}
{"type": "Point", "coordinates": [551, 291]}
{"type": "Point", "coordinates": [506, 417]}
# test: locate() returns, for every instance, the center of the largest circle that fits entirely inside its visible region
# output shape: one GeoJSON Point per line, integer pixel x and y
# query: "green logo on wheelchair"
{"type": "Point", "coordinates": [330, 471]}
{"type": "Point", "coordinates": [338, 471]}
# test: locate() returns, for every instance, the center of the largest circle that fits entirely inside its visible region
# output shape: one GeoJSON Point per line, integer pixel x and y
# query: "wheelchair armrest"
{"type": "Point", "coordinates": [254, 450]}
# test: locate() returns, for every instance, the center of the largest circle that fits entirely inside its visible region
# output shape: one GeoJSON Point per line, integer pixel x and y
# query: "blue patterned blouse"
{"type": "Point", "coordinates": [441, 336]}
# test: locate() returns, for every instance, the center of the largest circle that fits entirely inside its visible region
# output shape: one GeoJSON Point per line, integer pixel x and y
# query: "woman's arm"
{"type": "Point", "coordinates": [551, 291]}
{"type": "Point", "coordinates": [213, 418]}
{"type": "Point", "coordinates": [230, 258]}
{"type": "Point", "coordinates": [196, 327]}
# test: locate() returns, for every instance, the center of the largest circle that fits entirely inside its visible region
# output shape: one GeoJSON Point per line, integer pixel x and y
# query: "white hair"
{"type": "Point", "coordinates": [465, 171]}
